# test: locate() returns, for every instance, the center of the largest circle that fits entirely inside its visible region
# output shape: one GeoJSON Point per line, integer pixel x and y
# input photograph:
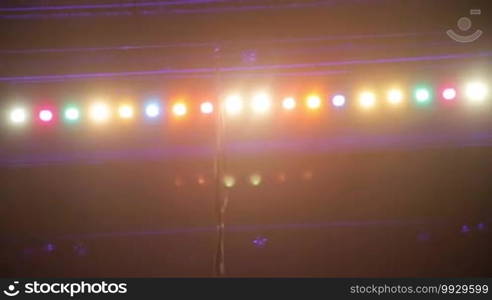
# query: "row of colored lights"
{"type": "Point", "coordinates": [253, 179]}
{"type": "Point", "coordinates": [100, 111]}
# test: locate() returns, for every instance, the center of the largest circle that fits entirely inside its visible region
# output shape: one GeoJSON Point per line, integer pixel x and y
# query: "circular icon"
{"type": "Point", "coordinates": [11, 290]}
{"type": "Point", "coordinates": [464, 24]}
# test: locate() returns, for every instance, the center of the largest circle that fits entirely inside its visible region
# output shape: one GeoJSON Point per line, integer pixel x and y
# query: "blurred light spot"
{"type": "Point", "coordinates": [46, 115]}
{"type": "Point", "coordinates": [260, 242]}
{"type": "Point", "coordinates": [338, 100]}
{"type": "Point", "coordinates": [422, 95]}
{"type": "Point", "coordinates": [229, 181]}
{"type": "Point", "coordinates": [449, 94]}
{"type": "Point", "coordinates": [367, 99]}
{"type": "Point", "coordinates": [201, 180]}
{"type": "Point", "coordinates": [395, 96]}
{"type": "Point", "coordinates": [481, 226]}
{"type": "Point", "coordinates": [289, 103]}
{"type": "Point", "coordinates": [80, 249]}
{"type": "Point", "coordinates": [307, 175]}
{"type": "Point", "coordinates": [233, 104]}
{"type": "Point", "coordinates": [49, 247]}
{"type": "Point", "coordinates": [72, 114]}
{"type": "Point", "coordinates": [207, 108]}
{"type": "Point", "coordinates": [249, 56]}
{"type": "Point", "coordinates": [178, 182]}
{"type": "Point", "coordinates": [99, 112]}
{"type": "Point", "coordinates": [179, 109]}
{"type": "Point", "coordinates": [18, 115]}
{"type": "Point", "coordinates": [313, 102]}
{"type": "Point", "coordinates": [281, 177]}
{"type": "Point", "coordinates": [465, 229]}
{"type": "Point", "coordinates": [476, 91]}
{"type": "Point", "coordinates": [261, 102]}
{"type": "Point", "coordinates": [152, 110]}
{"type": "Point", "coordinates": [125, 112]}
{"type": "Point", "coordinates": [255, 179]}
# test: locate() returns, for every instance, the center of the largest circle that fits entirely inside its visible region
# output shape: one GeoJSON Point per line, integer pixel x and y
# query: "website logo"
{"type": "Point", "coordinates": [67, 288]}
{"type": "Point", "coordinates": [11, 290]}
{"type": "Point", "coordinates": [464, 24]}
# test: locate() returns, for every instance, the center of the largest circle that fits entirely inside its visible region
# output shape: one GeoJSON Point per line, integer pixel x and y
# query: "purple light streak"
{"type": "Point", "coordinates": [213, 44]}
{"type": "Point", "coordinates": [352, 143]}
{"type": "Point", "coordinates": [197, 71]}
{"type": "Point", "coordinates": [109, 6]}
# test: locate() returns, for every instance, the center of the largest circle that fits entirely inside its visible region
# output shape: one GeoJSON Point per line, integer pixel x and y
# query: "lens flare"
{"type": "Point", "coordinates": [18, 116]}
{"type": "Point", "coordinates": [233, 104]}
{"type": "Point", "coordinates": [313, 102]}
{"type": "Point", "coordinates": [289, 103]}
{"type": "Point", "coordinates": [338, 100]}
{"type": "Point", "coordinates": [261, 102]}
{"type": "Point", "coordinates": [367, 99]}
{"type": "Point", "coordinates": [395, 96]}
{"type": "Point", "coordinates": [476, 91]}
{"type": "Point", "coordinates": [179, 109]}
{"type": "Point", "coordinates": [207, 108]}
